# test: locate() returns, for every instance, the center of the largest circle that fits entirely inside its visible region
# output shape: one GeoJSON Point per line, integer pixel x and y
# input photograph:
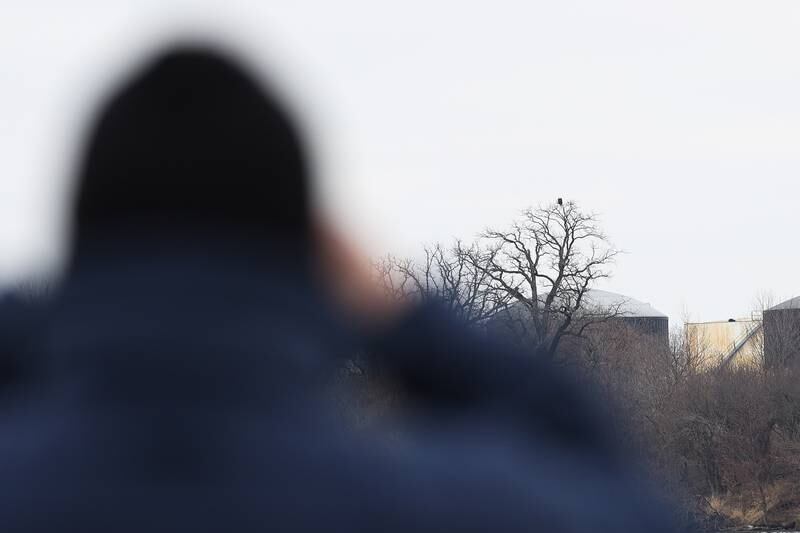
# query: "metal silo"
{"type": "Point", "coordinates": [782, 333]}
{"type": "Point", "coordinates": [634, 314]}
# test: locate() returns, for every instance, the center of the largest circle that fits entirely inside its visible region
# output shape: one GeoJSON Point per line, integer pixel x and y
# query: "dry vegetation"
{"type": "Point", "coordinates": [723, 441]}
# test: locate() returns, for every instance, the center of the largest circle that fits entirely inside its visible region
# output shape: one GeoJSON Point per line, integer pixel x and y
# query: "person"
{"type": "Point", "coordinates": [185, 356]}
{"type": "Point", "coordinates": [23, 307]}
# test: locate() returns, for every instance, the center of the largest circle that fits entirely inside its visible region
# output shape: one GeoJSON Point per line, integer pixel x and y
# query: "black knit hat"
{"type": "Point", "coordinates": [193, 140]}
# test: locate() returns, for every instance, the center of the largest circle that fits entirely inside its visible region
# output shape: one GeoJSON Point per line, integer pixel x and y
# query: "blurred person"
{"type": "Point", "coordinates": [184, 357]}
{"type": "Point", "coordinates": [13, 337]}
{"type": "Point", "coordinates": [23, 307]}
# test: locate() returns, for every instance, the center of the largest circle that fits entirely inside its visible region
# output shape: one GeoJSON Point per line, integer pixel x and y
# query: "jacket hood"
{"type": "Point", "coordinates": [192, 140]}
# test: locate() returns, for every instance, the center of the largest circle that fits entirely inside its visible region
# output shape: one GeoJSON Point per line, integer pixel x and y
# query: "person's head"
{"type": "Point", "coordinates": [193, 142]}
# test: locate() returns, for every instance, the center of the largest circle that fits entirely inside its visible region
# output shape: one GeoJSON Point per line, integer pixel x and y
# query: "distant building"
{"type": "Point", "coordinates": [733, 342]}
{"type": "Point", "coordinates": [612, 315]}
{"type": "Point", "coordinates": [782, 333]}
{"type": "Point", "coordinates": [636, 315]}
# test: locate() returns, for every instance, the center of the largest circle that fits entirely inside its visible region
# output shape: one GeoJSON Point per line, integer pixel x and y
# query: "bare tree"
{"type": "Point", "coordinates": [392, 277]}
{"type": "Point", "coordinates": [690, 350]}
{"type": "Point", "coordinates": [450, 276]}
{"type": "Point", "coordinates": [546, 263]}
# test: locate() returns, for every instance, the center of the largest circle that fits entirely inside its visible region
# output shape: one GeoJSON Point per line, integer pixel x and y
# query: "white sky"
{"type": "Point", "coordinates": [678, 122]}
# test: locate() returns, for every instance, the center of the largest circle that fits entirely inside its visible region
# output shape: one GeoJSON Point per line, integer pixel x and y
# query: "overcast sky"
{"type": "Point", "coordinates": [677, 122]}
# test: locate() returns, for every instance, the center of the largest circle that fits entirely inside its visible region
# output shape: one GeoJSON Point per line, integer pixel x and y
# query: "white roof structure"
{"type": "Point", "coordinates": [602, 302]}
{"type": "Point", "coordinates": [792, 303]}
{"type": "Point", "coordinates": [625, 306]}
